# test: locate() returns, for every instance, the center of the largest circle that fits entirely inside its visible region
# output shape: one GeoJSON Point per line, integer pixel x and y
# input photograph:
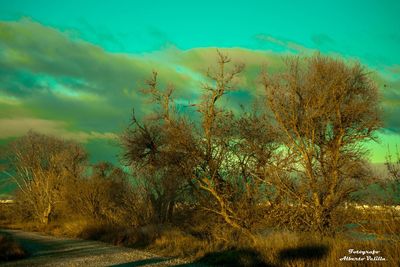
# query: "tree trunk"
{"type": "Point", "coordinates": [46, 214]}
{"type": "Point", "coordinates": [323, 221]}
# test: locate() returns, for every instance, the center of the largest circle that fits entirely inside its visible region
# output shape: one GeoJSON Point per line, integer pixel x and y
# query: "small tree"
{"type": "Point", "coordinates": [325, 109]}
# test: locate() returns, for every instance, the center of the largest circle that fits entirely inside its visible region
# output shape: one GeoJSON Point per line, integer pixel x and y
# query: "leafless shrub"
{"type": "Point", "coordinates": [102, 196]}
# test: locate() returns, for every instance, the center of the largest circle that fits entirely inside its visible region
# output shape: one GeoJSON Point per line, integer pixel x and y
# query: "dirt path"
{"type": "Point", "coordinates": [54, 251]}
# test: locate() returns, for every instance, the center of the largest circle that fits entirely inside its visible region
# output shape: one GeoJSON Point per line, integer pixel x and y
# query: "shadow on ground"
{"type": "Point", "coordinates": [312, 252]}
{"type": "Point", "coordinates": [231, 257]}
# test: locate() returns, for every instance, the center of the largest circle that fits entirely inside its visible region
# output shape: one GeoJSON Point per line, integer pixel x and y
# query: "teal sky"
{"type": "Point", "coordinates": [73, 68]}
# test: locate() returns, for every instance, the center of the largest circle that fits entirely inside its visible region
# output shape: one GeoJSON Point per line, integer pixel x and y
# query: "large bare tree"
{"type": "Point", "coordinates": [325, 110]}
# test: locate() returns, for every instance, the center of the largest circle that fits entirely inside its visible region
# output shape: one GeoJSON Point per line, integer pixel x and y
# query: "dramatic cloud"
{"type": "Point", "coordinates": [53, 82]}
{"type": "Point", "coordinates": [51, 75]}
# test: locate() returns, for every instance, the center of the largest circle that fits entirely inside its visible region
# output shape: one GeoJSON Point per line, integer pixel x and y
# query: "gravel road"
{"type": "Point", "coordinates": [55, 251]}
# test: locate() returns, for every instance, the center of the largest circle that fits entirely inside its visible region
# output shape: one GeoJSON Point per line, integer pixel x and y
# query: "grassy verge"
{"type": "Point", "coordinates": [280, 248]}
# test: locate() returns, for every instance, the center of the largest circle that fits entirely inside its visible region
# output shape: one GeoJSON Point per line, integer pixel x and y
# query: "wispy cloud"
{"type": "Point", "coordinates": [288, 45]}
{"type": "Point", "coordinates": [20, 126]}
